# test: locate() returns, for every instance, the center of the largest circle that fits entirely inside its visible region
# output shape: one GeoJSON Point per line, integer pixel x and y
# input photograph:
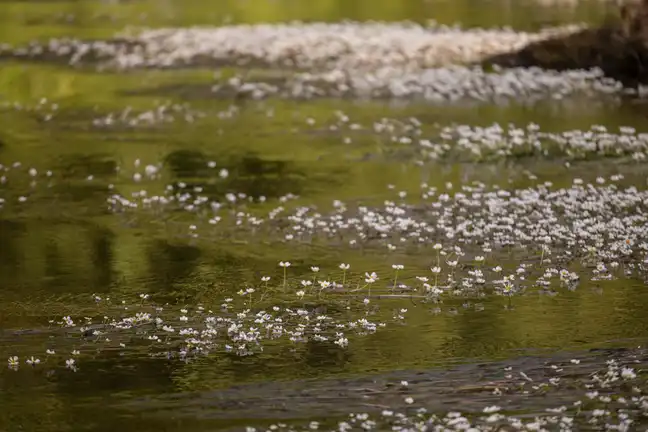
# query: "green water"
{"type": "Point", "coordinates": [62, 244]}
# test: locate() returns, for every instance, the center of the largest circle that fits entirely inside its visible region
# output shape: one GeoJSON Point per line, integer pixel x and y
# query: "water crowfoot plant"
{"type": "Point", "coordinates": [344, 268]}
{"type": "Point", "coordinates": [396, 268]}
{"type": "Point", "coordinates": [285, 266]}
{"type": "Point", "coordinates": [265, 280]}
{"type": "Point", "coordinates": [436, 270]}
{"type": "Point", "coordinates": [32, 361]}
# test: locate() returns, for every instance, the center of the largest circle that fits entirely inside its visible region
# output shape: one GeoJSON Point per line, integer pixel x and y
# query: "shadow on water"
{"type": "Point", "coordinates": [248, 174]}
{"type": "Point", "coordinates": [118, 376]}
{"type": "Point", "coordinates": [325, 355]}
{"type": "Point", "coordinates": [81, 166]}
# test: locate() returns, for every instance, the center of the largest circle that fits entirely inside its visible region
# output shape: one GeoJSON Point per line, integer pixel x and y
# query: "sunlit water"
{"type": "Point", "coordinates": [76, 143]}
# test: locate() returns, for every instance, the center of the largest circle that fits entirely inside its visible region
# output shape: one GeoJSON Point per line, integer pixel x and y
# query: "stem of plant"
{"type": "Point", "coordinates": [265, 291]}
{"type": "Point", "coordinates": [284, 280]}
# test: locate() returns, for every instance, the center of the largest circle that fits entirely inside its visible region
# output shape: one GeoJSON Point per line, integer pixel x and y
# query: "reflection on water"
{"type": "Point", "coordinates": [55, 258]}
{"type": "Point", "coordinates": [10, 259]}
{"type": "Point", "coordinates": [170, 265]}
{"type": "Point", "coordinates": [247, 174]}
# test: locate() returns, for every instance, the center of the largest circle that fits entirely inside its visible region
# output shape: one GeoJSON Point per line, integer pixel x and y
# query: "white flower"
{"type": "Point", "coordinates": [284, 264]}
{"type": "Point", "coordinates": [265, 278]}
{"type": "Point", "coordinates": [306, 283]}
{"type": "Point", "coordinates": [341, 341]}
{"type": "Point", "coordinates": [398, 266]}
{"type": "Point", "coordinates": [13, 361]}
{"type": "Point", "coordinates": [479, 258]}
{"type": "Point", "coordinates": [345, 266]}
{"type": "Point", "coordinates": [628, 373]}
{"type": "Point", "coordinates": [491, 409]}
{"type": "Point", "coordinates": [50, 352]}
{"type": "Point", "coordinates": [592, 394]}
{"type": "Point", "coordinates": [324, 284]}
{"type": "Point", "coordinates": [75, 352]}
{"type": "Point", "coordinates": [300, 294]}
{"type": "Point", "coordinates": [70, 363]}
{"type": "Point", "coordinates": [315, 269]}
{"type": "Point", "coordinates": [32, 361]}
{"type": "Point", "coordinates": [438, 246]}
{"type": "Point", "coordinates": [409, 400]}
{"type": "Point", "coordinates": [371, 277]}
{"type": "Point", "coordinates": [436, 270]}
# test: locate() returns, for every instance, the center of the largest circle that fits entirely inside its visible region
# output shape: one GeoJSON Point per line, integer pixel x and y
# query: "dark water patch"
{"type": "Point", "coordinates": [82, 166]}
{"type": "Point", "coordinates": [464, 388]}
{"type": "Point", "coordinates": [55, 246]}
{"type": "Point", "coordinates": [247, 174]}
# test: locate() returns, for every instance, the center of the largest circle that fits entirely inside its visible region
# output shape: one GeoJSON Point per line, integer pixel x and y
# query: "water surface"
{"type": "Point", "coordinates": [63, 244]}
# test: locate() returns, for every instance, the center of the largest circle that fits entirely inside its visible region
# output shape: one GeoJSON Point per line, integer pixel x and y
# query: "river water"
{"type": "Point", "coordinates": [86, 242]}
